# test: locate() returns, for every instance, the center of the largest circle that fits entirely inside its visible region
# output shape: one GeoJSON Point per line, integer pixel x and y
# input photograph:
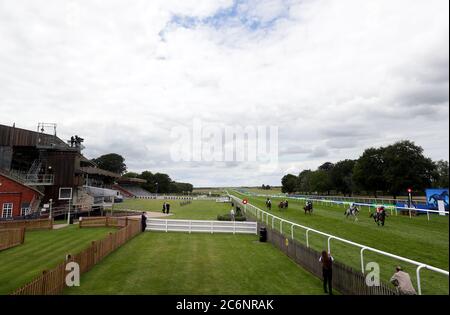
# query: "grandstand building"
{"type": "Point", "coordinates": [131, 187]}
{"type": "Point", "coordinates": [45, 163]}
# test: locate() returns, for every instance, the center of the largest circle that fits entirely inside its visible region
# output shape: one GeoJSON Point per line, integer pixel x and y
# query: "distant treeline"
{"type": "Point", "coordinates": [156, 183]}
{"type": "Point", "coordinates": [391, 169]}
{"type": "Point", "coordinates": [160, 183]}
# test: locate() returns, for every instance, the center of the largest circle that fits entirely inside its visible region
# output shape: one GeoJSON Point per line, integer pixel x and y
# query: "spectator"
{"type": "Point", "coordinates": [164, 207]}
{"type": "Point", "coordinates": [327, 271]}
{"type": "Point", "coordinates": [143, 222]}
{"type": "Point", "coordinates": [402, 281]}
{"type": "Point", "coordinates": [167, 208]}
{"type": "Point", "coordinates": [232, 214]}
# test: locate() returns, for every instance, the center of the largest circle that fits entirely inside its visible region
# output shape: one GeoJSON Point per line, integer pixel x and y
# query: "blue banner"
{"type": "Point", "coordinates": [433, 195]}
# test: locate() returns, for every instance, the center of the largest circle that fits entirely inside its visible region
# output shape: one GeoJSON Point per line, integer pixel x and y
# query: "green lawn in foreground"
{"type": "Point", "coordinates": [197, 210]}
{"type": "Point", "coordinates": [416, 238]}
{"type": "Point", "coordinates": [42, 250]}
{"type": "Point", "coordinates": [179, 263]}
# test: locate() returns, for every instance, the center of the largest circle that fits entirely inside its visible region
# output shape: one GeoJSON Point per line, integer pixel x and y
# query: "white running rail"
{"type": "Point", "coordinates": [361, 204]}
{"type": "Point", "coordinates": [234, 227]}
{"type": "Point", "coordinates": [264, 215]}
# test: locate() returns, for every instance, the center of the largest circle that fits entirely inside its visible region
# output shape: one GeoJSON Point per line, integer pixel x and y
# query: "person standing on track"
{"type": "Point", "coordinates": [143, 222]}
{"type": "Point", "coordinates": [327, 271]}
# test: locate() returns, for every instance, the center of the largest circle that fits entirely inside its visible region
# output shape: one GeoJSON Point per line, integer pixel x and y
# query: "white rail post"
{"type": "Point", "coordinates": [307, 238]}
{"type": "Point", "coordinates": [234, 227]}
{"type": "Point", "coordinates": [419, 288]}
{"type": "Point", "coordinates": [329, 247]}
{"type": "Point", "coordinates": [428, 215]}
{"type": "Point", "coordinates": [292, 231]}
{"type": "Point", "coordinates": [410, 213]}
{"type": "Point", "coordinates": [166, 225]}
{"type": "Point", "coordinates": [190, 226]}
{"type": "Point", "coordinates": [281, 227]}
{"type": "Point", "coordinates": [362, 259]}
{"type": "Point", "coordinates": [273, 222]}
{"type": "Point", "coordinates": [212, 227]}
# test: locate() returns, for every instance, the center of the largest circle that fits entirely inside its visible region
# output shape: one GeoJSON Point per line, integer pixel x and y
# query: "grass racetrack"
{"type": "Point", "coordinates": [42, 250]}
{"type": "Point", "coordinates": [416, 238]}
{"type": "Point", "coordinates": [179, 263]}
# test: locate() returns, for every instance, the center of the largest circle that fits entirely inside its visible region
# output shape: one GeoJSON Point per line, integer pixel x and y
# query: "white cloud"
{"type": "Point", "coordinates": [335, 76]}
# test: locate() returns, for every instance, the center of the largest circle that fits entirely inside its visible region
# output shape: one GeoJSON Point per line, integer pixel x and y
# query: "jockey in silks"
{"type": "Point", "coordinates": [381, 214]}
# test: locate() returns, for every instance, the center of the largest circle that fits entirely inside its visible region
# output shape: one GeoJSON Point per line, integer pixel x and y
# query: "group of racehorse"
{"type": "Point", "coordinates": [379, 216]}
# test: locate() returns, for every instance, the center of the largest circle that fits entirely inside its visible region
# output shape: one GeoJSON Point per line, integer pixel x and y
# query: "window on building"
{"type": "Point", "coordinates": [7, 210]}
{"type": "Point", "coordinates": [25, 209]}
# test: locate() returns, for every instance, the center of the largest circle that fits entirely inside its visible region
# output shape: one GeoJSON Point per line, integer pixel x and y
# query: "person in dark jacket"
{"type": "Point", "coordinates": [327, 270]}
{"type": "Point", "coordinates": [143, 222]}
{"type": "Point", "coordinates": [167, 208]}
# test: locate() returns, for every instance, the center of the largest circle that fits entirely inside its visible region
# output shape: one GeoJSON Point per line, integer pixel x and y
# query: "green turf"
{"type": "Point", "coordinates": [416, 238]}
{"type": "Point", "coordinates": [178, 263]}
{"type": "Point", "coordinates": [197, 210]}
{"type": "Point", "coordinates": [42, 250]}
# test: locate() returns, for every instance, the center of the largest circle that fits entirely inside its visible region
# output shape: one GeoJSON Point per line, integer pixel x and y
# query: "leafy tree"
{"type": "Point", "coordinates": [303, 183]}
{"type": "Point", "coordinates": [441, 179]}
{"type": "Point", "coordinates": [111, 162]}
{"type": "Point", "coordinates": [341, 176]}
{"type": "Point", "coordinates": [405, 166]}
{"type": "Point", "coordinates": [327, 166]}
{"type": "Point", "coordinates": [320, 181]}
{"type": "Point", "coordinates": [368, 170]}
{"type": "Point", "coordinates": [131, 175]}
{"type": "Point", "coordinates": [288, 183]}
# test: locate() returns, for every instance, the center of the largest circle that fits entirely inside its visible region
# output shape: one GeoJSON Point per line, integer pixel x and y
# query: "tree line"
{"type": "Point", "coordinates": [391, 169]}
{"type": "Point", "coordinates": [155, 183]}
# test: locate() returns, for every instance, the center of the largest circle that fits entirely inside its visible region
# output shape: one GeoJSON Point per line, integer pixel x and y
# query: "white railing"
{"type": "Point", "coordinates": [392, 208]}
{"type": "Point", "coordinates": [264, 215]}
{"type": "Point", "coordinates": [202, 226]}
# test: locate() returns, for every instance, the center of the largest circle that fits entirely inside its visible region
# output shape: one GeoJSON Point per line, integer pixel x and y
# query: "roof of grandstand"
{"type": "Point", "coordinates": [98, 171]}
{"type": "Point", "coordinates": [129, 180]}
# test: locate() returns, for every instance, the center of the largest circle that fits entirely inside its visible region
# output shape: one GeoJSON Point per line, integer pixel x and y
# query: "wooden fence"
{"type": "Point", "coordinates": [53, 281]}
{"type": "Point", "coordinates": [103, 221]}
{"type": "Point", "coordinates": [346, 280]}
{"type": "Point", "coordinates": [11, 237]}
{"type": "Point", "coordinates": [40, 224]}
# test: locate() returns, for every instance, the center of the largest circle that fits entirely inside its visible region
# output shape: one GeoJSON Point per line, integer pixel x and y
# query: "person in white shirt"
{"type": "Point", "coordinates": [232, 214]}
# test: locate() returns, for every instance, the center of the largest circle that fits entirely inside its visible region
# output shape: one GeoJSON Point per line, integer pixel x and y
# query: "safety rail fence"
{"type": "Point", "coordinates": [38, 224]}
{"type": "Point", "coordinates": [345, 279]}
{"type": "Point", "coordinates": [202, 226]}
{"type": "Point", "coordinates": [264, 216]}
{"type": "Point", "coordinates": [11, 238]}
{"type": "Point", "coordinates": [53, 281]}
{"type": "Point", "coordinates": [411, 211]}
{"type": "Point", "coordinates": [164, 197]}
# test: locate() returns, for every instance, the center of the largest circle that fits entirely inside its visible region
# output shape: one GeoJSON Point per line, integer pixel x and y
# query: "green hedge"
{"type": "Point", "coordinates": [227, 217]}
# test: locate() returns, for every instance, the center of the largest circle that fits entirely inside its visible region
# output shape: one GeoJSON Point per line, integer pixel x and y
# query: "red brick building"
{"type": "Point", "coordinates": [16, 198]}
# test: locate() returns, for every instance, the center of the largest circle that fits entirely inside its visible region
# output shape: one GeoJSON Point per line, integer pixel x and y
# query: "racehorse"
{"type": "Point", "coordinates": [269, 204]}
{"type": "Point", "coordinates": [308, 207]}
{"type": "Point", "coordinates": [352, 211]}
{"type": "Point", "coordinates": [283, 205]}
{"type": "Point", "coordinates": [379, 217]}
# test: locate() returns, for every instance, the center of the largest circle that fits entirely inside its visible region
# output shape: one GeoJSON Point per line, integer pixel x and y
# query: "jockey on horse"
{"type": "Point", "coordinates": [308, 207]}
{"type": "Point", "coordinates": [269, 204]}
{"type": "Point", "coordinates": [352, 211]}
{"type": "Point", "coordinates": [380, 216]}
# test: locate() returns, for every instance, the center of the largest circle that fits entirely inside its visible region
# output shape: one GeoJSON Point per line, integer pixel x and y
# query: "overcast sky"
{"type": "Point", "coordinates": [336, 77]}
